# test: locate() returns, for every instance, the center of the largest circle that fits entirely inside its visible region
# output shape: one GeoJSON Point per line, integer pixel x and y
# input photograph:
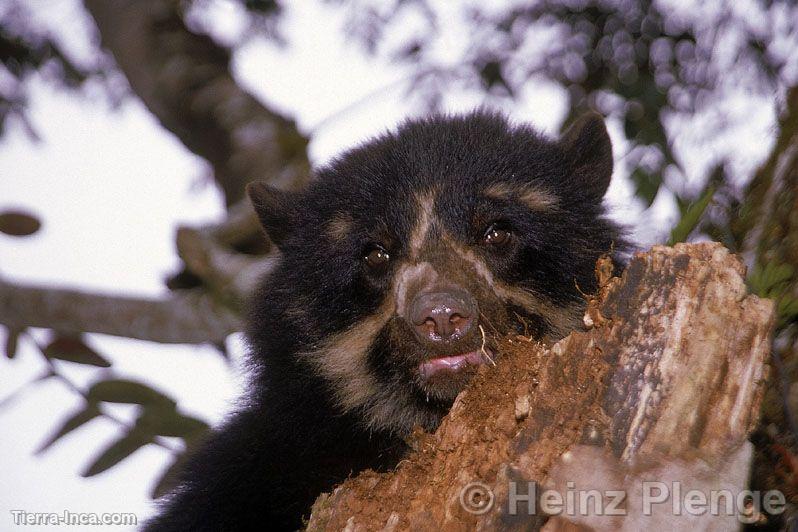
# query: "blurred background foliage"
{"type": "Point", "coordinates": [650, 66]}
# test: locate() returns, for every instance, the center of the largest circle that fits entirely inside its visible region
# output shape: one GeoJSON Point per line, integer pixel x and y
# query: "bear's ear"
{"type": "Point", "coordinates": [274, 209]}
{"type": "Point", "coordinates": [588, 148]}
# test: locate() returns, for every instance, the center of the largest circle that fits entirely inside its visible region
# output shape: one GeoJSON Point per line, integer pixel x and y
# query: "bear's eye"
{"type": "Point", "coordinates": [496, 236]}
{"type": "Point", "coordinates": [377, 257]}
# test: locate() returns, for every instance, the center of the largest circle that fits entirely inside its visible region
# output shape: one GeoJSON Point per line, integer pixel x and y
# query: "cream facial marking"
{"type": "Point", "coordinates": [409, 276]}
{"type": "Point", "coordinates": [342, 360]}
{"type": "Point", "coordinates": [561, 319]}
{"type": "Point", "coordinates": [339, 227]}
{"type": "Point", "coordinates": [478, 264]}
{"type": "Point", "coordinates": [425, 218]}
{"type": "Point", "coordinates": [534, 197]}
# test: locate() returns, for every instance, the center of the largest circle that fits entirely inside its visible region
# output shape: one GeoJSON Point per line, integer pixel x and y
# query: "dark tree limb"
{"type": "Point", "coordinates": [229, 275]}
{"type": "Point", "coordinates": [184, 79]}
{"type": "Point", "coordinates": [192, 318]}
{"type": "Point", "coordinates": [200, 315]}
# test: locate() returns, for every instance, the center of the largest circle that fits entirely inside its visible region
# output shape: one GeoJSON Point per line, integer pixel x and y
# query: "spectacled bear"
{"type": "Point", "coordinates": [401, 265]}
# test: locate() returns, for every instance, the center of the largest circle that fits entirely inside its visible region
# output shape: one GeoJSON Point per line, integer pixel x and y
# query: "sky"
{"type": "Point", "coordinates": [91, 180]}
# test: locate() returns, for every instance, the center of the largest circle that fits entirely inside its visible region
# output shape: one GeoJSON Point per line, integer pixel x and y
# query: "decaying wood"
{"type": "Point", "coordinates": [665, 385]}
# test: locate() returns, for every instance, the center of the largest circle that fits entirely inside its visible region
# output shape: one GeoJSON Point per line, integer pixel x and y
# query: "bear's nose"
{"type": "Point", "coordinates": [444, 315]}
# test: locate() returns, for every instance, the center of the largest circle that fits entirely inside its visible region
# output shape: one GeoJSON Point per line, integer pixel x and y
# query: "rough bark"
{"type": "Point", "coordinates": [667, 383]}
{"type": "Point", "coordinates": [192, 318]}
{"type": "Point", "coordinates": [184, 79]}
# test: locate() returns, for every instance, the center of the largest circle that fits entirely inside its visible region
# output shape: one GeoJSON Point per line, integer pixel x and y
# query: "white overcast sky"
{"type": "Point", "coordinates": [112, 185]}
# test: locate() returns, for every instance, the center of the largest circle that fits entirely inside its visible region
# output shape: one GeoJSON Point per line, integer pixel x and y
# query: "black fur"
{"type": "Point", "coordinates": [267, 463]}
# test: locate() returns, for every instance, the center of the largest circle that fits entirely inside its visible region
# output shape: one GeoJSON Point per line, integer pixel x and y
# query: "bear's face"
{"type": "Point", "coordinates": [408, 257]}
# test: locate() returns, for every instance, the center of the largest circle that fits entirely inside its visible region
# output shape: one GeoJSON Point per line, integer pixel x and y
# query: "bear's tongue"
{"type": "Point", "coordinates": [432, 366]}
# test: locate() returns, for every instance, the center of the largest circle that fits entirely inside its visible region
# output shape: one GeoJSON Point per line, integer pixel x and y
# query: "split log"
{"type": "Point", "coordinates": [663, 386]}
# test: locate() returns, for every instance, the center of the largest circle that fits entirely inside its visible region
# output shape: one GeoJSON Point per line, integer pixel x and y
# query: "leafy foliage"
{"type": "Point", "coordinates": [118, 451]}
{"type": "Point", "coordinates": [72, 422]}
{"type": "Point", "coordinates": [26, 50]}
{"type": "Point", "coordinates": [158, 417]}
{"type": "Point", "coordinates": [775, 281]}
{"type": "Point", "coordinates": [691, 216]}
{"type": "Point", "coordinates": [129, 392]}
{"type": "Point", "coordinates": [157, 414]}
{"type": "Point", "coordinates": [640, 62]}
{"type": "Point", "coordinates": [73, 349]}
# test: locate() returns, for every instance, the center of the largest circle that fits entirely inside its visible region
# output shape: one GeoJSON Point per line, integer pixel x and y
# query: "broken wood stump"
{"type": "Point", "coordinates": [653, 400]}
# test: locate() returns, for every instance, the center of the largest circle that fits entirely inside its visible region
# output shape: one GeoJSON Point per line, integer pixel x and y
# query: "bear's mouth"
{"type": "Point", "coordinates": [452, 363]}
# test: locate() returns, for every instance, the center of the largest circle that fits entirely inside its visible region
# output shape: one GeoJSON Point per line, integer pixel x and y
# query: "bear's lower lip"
{"type": "Point", "coordinates": [453, 363]}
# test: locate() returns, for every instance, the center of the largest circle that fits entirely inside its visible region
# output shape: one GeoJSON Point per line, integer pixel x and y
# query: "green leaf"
{"type": "Point", "coordinates": [81, 417]}
{"type": "Point", "coordinates": [171, 423]}
{"type": "Point", "coordinates": [18, 223]}
{"type": "Point", "coordinates": [691, 217]}
{"type": "Point", "coordinates": [127, 391]}
{"type": "Point", "coordinates": [771, 279]}
{"type": "Point", "coordinates": [184, 426]}
{"type": "Point", "coordinates": [74, 349]}
{"type": "Point", "coordinates": [170, 476]}
{"type": "Point", "coordinates": [646, 185]}
{"type": "Point", "coordinates": [12, 342]}
{"type": "Point", "coordinates": [681, 204]}
{"type": "Point", "coordinates": [787, 309]}
{"type": "Point", "coordinates": [118, 451]}
{"type": "Point", "coordinates": [264, 7]}
{"type": "Point", "coordinates": [756, 280]}
{"type": "Point", "coordinates": [490, 72]}
{"type": "Point", "coordinates": [776, 274]}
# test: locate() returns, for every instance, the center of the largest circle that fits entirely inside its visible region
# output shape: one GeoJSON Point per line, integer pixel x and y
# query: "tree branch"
{"type": "Point", "coordinates": [184, 79]}
{"type": "Point", "coordinates": [193, 318]}
{"type": "Point", "coordinates": [208, 252]}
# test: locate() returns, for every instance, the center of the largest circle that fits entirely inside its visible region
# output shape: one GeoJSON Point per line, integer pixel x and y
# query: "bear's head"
{"type": "Point", "coordinates": [406, 258]}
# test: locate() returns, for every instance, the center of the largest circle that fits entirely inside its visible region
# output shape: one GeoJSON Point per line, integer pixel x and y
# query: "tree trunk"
{"type": "Point", "coordinates": [665, 386]}
{"type": "Point", "coordinates": [766, 232]}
